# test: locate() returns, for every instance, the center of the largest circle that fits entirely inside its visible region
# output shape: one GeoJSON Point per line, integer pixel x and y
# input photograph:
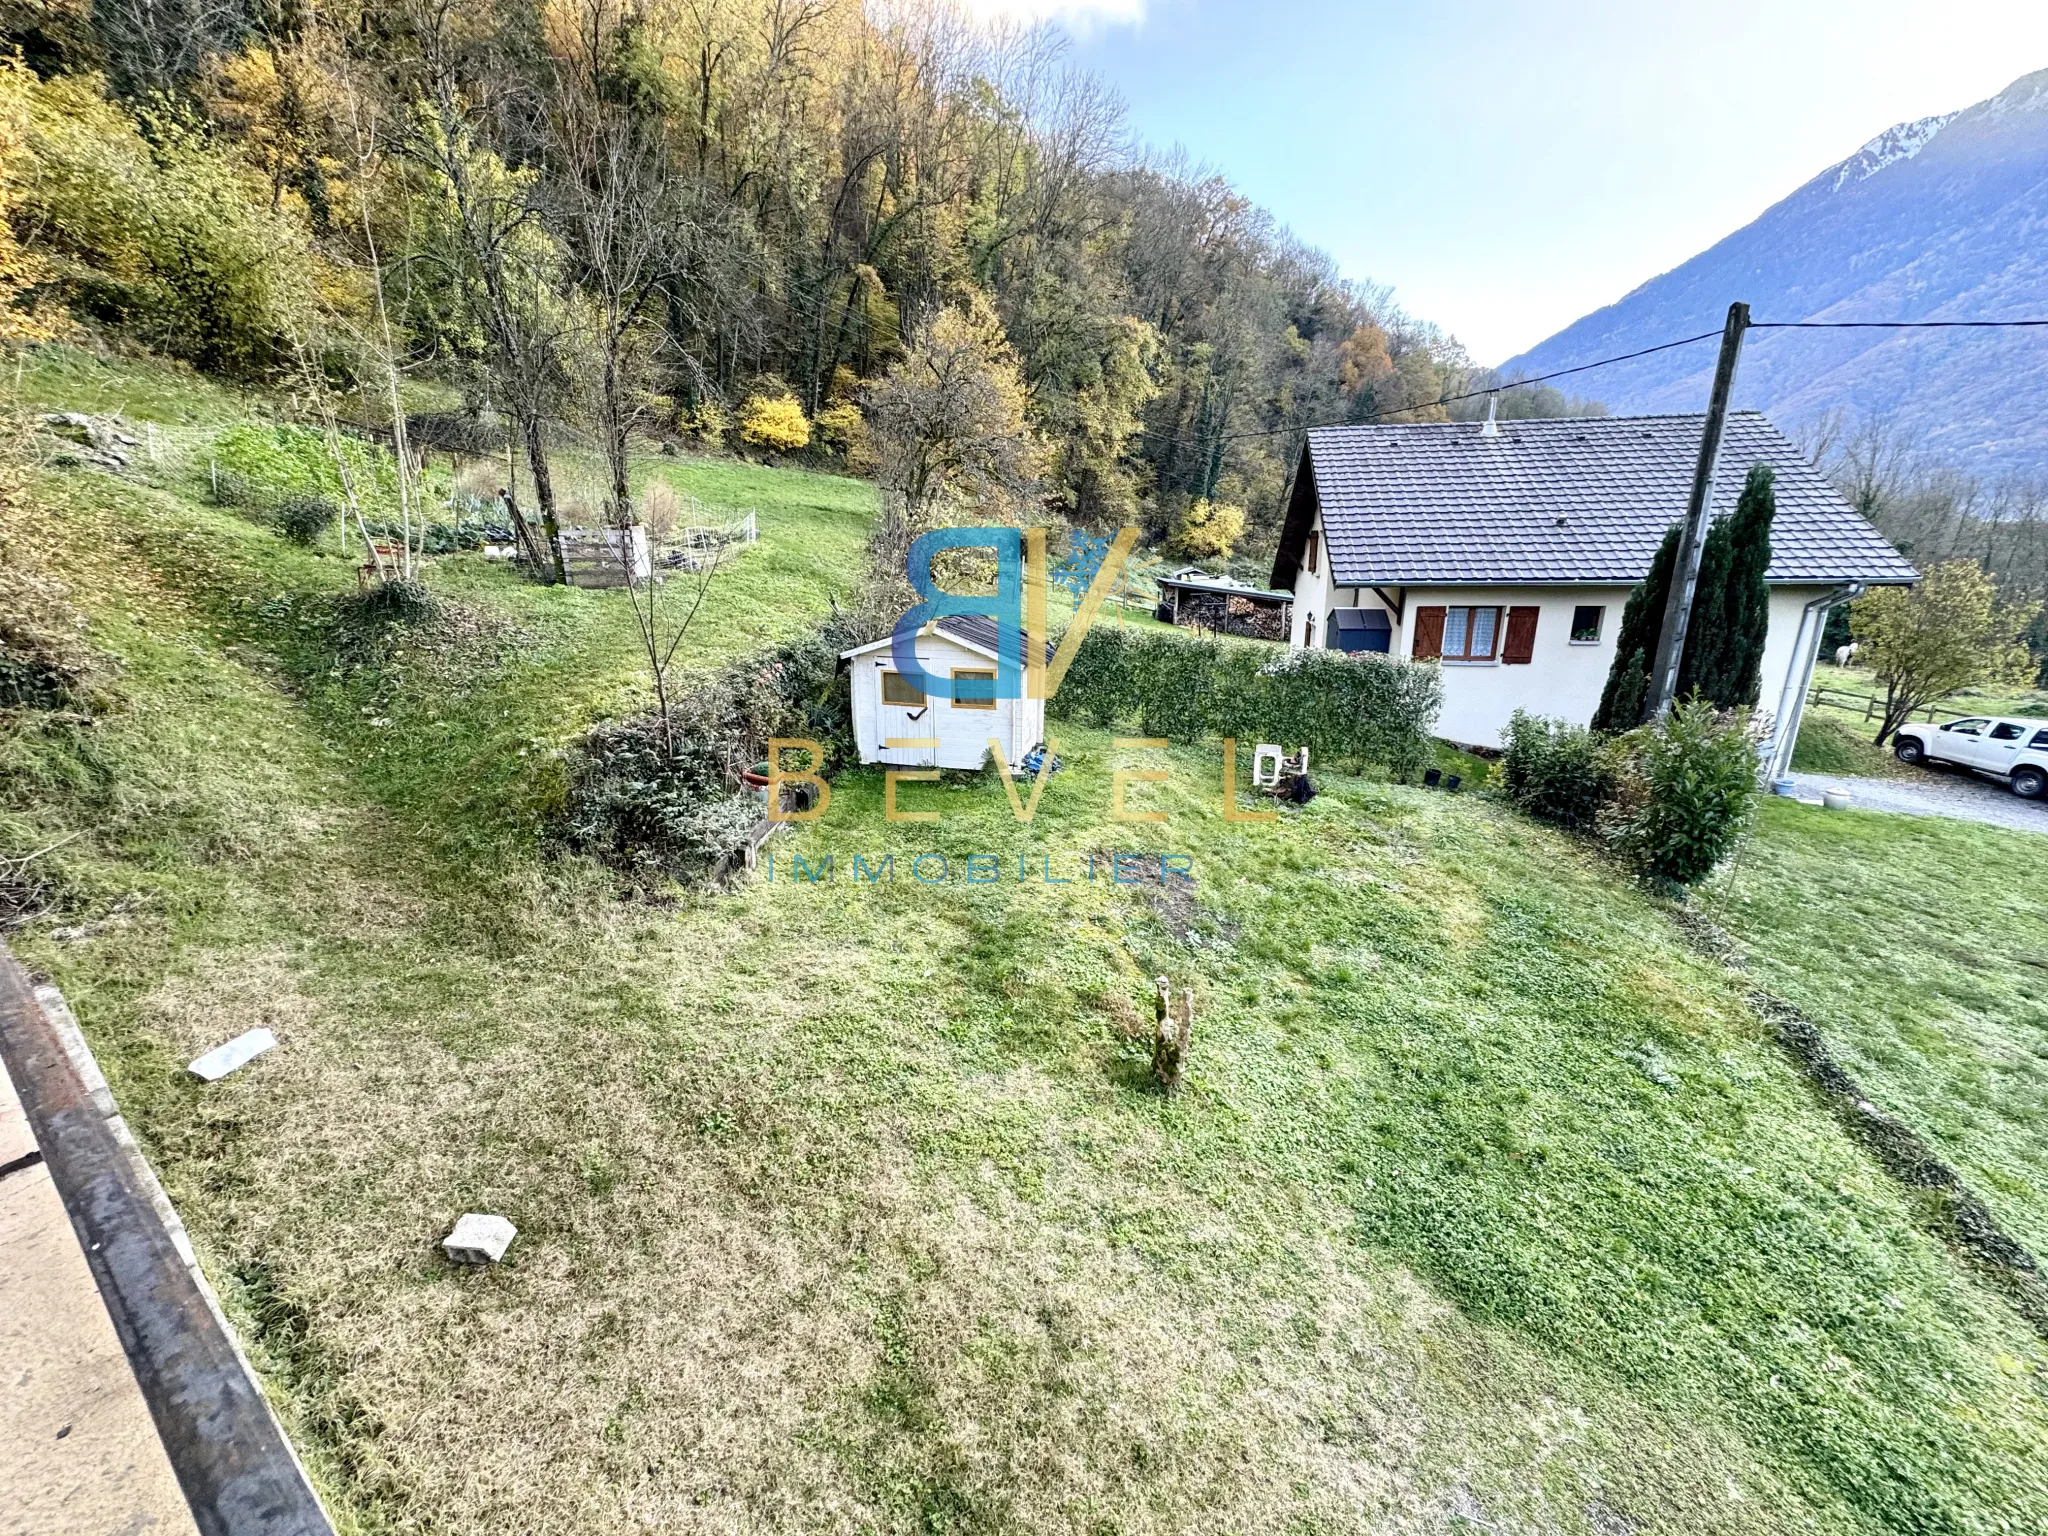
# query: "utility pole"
{"type": "Point", "coordinates": [1678, 606]}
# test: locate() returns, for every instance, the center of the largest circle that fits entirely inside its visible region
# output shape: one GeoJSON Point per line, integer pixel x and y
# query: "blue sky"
{"type": "Point", "coordinates": [1510, 166]}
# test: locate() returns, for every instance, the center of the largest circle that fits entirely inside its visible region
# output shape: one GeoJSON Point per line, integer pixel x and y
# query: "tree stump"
{"type": "Point", "coordinates": [1173, 1036]}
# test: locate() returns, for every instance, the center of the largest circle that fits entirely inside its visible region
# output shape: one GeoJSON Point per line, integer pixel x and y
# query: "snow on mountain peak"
{"type": "Point", "coordinates": [2029, 93]}
{"type": "Point", "coordinates": [1901, 142]}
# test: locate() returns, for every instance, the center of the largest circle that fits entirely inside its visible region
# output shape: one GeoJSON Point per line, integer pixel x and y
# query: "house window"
{"type": "Point", "coordinates": [973, 688]}
{"type": "Point", "coordinates": [1470, 633]}
{"type": "Point", "coordinates": [1315, 539]}
{"type": "Point", "coordinates": [897, 689]}
{"type": "Point", "coordinates": [1586, 622]}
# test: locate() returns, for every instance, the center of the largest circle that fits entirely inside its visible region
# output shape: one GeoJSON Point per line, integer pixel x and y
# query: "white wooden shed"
{"type": "Point", "coordinates": [888, 707]}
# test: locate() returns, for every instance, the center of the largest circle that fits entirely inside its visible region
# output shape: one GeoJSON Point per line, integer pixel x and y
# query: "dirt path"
{"type": "Point", "coordinates": [1955, 793]}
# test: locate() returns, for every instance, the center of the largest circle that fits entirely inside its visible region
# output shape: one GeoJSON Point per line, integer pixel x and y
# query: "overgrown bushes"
{"type": "Point", "coordinates": [159, 234]}
{"type": "Point", "coordinates": [664, 801]}
{"type": "Point", "coordinates": [1556, 771]}
{"type": "Point", "coordinates": [303, 518]}
{"type": "Point", "coordinates": [652, 807]}
{"type": "Point", "coordinates": [1344, 708]}
{"type": "Point", "coordinates": [1670, 799]}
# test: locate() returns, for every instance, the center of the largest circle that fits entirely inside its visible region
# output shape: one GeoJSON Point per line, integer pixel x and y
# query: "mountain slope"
{"type": "Point", "coordinates": [1944, 218]}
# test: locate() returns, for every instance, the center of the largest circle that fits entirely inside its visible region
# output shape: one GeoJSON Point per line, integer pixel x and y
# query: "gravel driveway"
{"type": "Point", "coordinates": [1949, 792]}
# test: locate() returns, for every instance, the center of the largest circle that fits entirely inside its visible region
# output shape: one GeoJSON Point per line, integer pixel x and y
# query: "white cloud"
{"type": "Point", "coordinates": [1080, 15]}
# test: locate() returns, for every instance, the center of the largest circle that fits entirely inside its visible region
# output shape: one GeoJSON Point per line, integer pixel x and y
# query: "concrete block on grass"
{"type": "Point", "coordinates": [479, 1239]}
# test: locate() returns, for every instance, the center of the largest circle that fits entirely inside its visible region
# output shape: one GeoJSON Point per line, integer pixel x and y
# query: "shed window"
{"type": "Point", "coordinates": [897, 689]}
{"type": "Point", "coordinates": [1470, 634]}
{"type": "Point", "coordinates": [1586, 621]}
{"type": "Point", "coordinates": [973, 688]}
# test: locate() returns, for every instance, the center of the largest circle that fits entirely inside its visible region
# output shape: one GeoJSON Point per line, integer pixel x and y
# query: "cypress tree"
{"type": "Point", "coordinates": [1724, 642]}
{"type": "Point", "coordinates": [1749, 597]}
{"type": "Point", "coordinates": [1731, 615]}
{"type": "Point", "coordinates": [1627, 693]}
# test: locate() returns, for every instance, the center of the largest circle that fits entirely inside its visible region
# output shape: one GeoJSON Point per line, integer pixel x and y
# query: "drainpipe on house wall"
{"type": "Point", "coordinates": [1799, 681]}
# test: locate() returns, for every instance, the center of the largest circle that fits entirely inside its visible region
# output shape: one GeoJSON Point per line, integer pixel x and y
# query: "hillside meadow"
{"type": "Point", "coordinates": [847, 1205]}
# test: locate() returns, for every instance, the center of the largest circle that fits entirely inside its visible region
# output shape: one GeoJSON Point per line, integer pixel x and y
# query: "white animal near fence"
{"type": "Point", "coordinates": [1844, 654]}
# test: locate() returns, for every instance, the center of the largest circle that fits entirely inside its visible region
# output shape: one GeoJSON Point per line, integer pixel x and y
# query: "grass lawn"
{"type": "Point", "coordinates": [1920, 948]}
{"type": "Point", "coordinates": [845, 1206]}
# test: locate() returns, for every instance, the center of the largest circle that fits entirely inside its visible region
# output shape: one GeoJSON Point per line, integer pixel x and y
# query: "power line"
{"type": "Point", "coordinates": [1890, 325]}
{"type": "Point", "coordinates": [1424, 405]}
{"type": "Point", "coordinates": [1605, 362]}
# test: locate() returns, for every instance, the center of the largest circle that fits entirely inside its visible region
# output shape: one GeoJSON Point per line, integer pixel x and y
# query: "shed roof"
{"type": "Point", "coordinates": [969, 629]}
{"type": "Point", "coordinates": [1202, 581]}
{"type": "Point", "coordinates": [1574, 500]}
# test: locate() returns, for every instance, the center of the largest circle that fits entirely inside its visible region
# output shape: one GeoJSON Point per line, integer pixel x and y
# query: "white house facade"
{"type": "Point", "coordinates": [1507, 555]}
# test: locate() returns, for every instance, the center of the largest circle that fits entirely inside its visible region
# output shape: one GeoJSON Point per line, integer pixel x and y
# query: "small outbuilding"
{"type": "Point", "coordinates": [1194, 599]}
{"type": "Point", "coordinates": [946, 733]}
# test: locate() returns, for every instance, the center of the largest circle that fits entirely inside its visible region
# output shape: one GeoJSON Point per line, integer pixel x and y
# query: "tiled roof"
{"type": "Point", "coordinates": [1584, 499]}
{"type": "Point", "coordinates": [979, 631]}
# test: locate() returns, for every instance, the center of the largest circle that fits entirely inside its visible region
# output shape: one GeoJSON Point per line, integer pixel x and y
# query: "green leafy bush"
{"type": "Point", "coordinates": [303, 518]}
{"type": "Point", "coordinates": [272, 463]}
{"type": "Point", "coordinates": [1556, 771]}
{"type": "Point", "coordinates": [1346, 708]}
{"type": "Point", "coordinates": [1685, 790]}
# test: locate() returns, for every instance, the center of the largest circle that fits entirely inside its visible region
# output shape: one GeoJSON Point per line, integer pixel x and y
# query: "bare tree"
{"type": "Point", "coordinates": [498, 252]}
{"type": "Point", "coordinates": [615, 204]}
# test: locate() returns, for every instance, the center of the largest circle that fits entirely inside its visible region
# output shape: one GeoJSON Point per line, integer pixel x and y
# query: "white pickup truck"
{"type": "Point", "coordinates": [2015, 750]}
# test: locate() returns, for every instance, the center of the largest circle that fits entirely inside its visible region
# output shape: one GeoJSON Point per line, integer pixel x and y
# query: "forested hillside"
{"type": "Point", "coordinates": [719, 219]}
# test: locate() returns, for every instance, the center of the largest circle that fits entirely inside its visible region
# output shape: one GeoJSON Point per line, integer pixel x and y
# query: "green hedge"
{"type": "Point", "coordinates": [1343, 708]}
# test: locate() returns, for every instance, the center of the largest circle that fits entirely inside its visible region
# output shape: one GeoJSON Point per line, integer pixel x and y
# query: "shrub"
{"type": "Point", "coordinates": [1556, 771]}
{"type": "Point", "coordinates": [303, 518]}
{"type": "Point", "coordinates": [710, 421]}
{"type": "Point", "coordinates": [1209, 530]}
{"type": "Point", "coordinates": [775, 422]}
{"type": "Point", "coordinates": [651, 810]}
{"type": "Point", "coordinates": [1358, 708]}
{"type": "Point", "coordinates": [1685, 789]}
{"type": "Point", "coordinates": [845, 431]}
{"type": "Point", "coordinates": [158, 233]}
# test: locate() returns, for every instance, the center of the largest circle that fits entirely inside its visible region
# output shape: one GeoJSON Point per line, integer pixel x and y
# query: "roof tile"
{"type": "Point", "coordinates": [1581, 499]}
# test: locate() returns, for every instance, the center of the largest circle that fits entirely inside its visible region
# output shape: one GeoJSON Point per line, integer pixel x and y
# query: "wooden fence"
{"type": "Point", "coordinates": [1872, 708]}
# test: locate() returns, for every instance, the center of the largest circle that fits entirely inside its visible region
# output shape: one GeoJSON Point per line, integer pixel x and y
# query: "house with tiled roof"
{"type": "Point", "coordinates": [1505, 551]}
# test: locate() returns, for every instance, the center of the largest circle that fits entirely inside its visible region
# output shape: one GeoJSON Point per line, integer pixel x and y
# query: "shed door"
{"type": "Point", "coordinates": [904, 714]}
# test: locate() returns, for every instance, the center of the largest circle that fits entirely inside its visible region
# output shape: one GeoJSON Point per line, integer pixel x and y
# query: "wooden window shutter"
{"type": "Point", "coordinates": [1521, 642]}
{"type": "Point", "coordinates": [1429, 634]}
{"type": "Point", "coordinates": [1315, 540]}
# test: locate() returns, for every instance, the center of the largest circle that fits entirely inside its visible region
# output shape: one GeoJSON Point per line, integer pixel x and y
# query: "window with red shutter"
{"type": "Point", "coordinates": [1429, 634]}
{"type": "Point", "coordinates": [1521, 641]}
